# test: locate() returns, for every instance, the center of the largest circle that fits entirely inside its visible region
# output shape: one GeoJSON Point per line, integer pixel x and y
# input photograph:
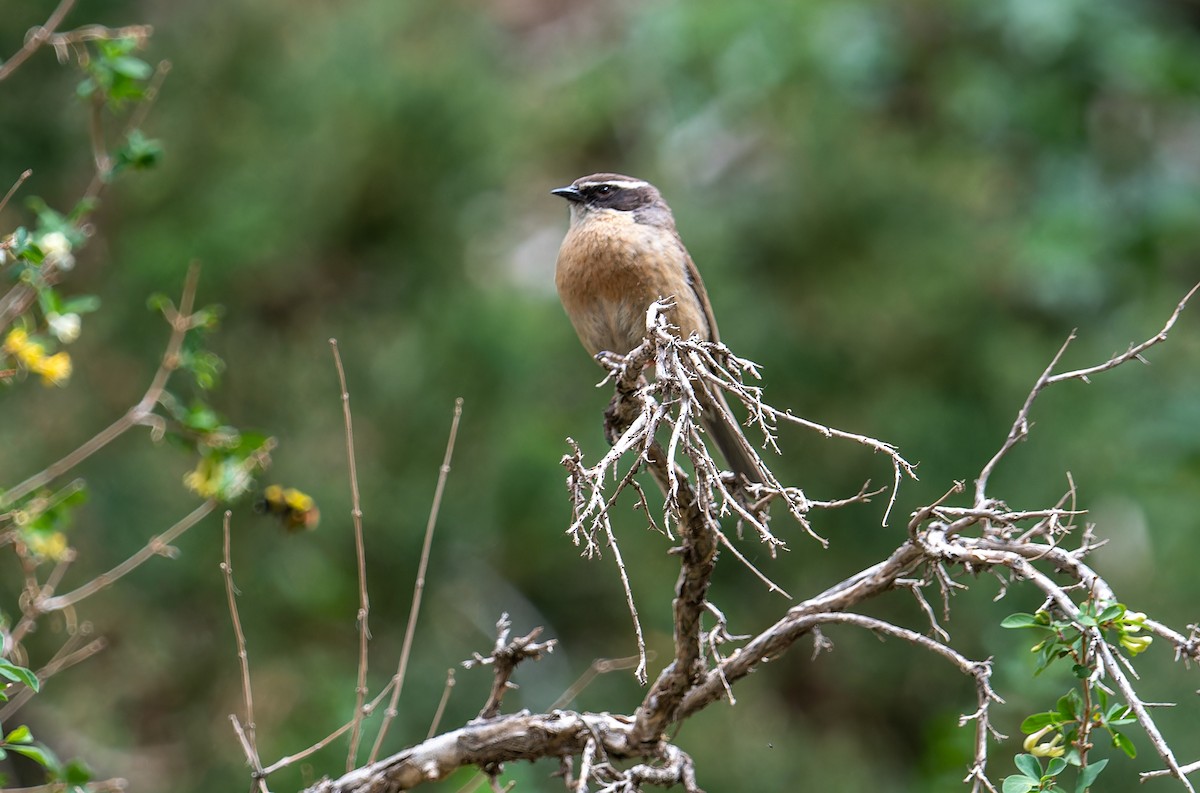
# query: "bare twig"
{"type": "Point", "coordinates": [1020, 427]}
{"type": "Point", "coordinates": [28, 172]}
{"type": "Point", "coordinates": [441, 708]}
{"type": "Point", "coordinates": [284, 762]}
{"type": "Point", "coordinates": [364, 604]}
{"type": "Point", "coordinates": [1135, 350]}
{"type": "Point", "coordinates": [158, 545]}
{"type": "Point", "coordinates": [36, 38]}
{"type": "Point", "coordinates": [251, 753]}
{"type": "Point", "coordinates": [414, 611]}
{"type": "Point", "coordinates": [504, 660]}
{"type": "Point", "coordinates": [598, 667]}
{"type": "Point", "coordinates": [243, 657]}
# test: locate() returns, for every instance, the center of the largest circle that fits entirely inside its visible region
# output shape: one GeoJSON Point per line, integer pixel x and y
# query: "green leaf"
{"type": "Point", "coordinates": [1115, 611]}
{"type": "Point", "coordinates": [20, 735]}
{"type": "Point", "coordinates": [138, 153]}
{"type": "Point", "coordinates": [250, 442]}
{"type": "Point", "coordinates": [1082, 672]}
{"type": "Point", "coordinates": [1018, 784]}
{"type": "Point", "coordinates": [1056, 766]}
{"type": "Point", "coordinates": [19, 674]}
{"type": "Point", "coordinates": [77, 772]}
{"type": "Point", "coordinates": [1088, 775]}
{"type": "Point", "coordinates": [84, 304]}
{"type": "Point", "coordinates": [1028, 765]}
{"type": "Point", "coordinates": [1070, 705]}
{"type": "Point", "coordinates": [1039, 720]}
{"type": "Point", "coordinates": [1020, 620]}
{"type": "Point", "coordinates": [49, 301]}
{"type": "Point", "coordinates": [39, 754]}
{"type": "Point", "coordinates": [129, 66]}
{"type": "Point", "coordinates": [202, 418]}
{"type": "Point", "coordinates": [1122, 742]}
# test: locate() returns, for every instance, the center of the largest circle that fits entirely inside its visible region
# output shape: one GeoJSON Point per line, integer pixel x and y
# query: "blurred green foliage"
{"type": "Point", "coordinates": [900, 209]}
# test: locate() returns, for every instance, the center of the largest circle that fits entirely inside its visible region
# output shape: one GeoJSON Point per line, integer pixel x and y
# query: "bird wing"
{"type": "Point", "coordinates": [697, 284]}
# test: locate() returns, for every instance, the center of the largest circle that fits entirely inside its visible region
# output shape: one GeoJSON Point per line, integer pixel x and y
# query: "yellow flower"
{"type": "Point", "coordinates": [201, 481]}
{"type": "Point", "coordinates": [16, 342]}
{"type": "Point", "coordinates": [51, 546]}
{"type": "Point", "coordinates": [54, 370]}
{"type": "Point", "coordinates": [29, 353]}
{"type": "Point", "coordinates": [1136, 644]}
{"type": "Point", "coordinates": [1050, 748]}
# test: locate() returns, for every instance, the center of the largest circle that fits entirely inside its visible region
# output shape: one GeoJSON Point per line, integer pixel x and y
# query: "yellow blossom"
{"type": "Point", "coordinates": [1050, 748]}
{"type": "Point", "coordinates": [16, 342]}
{"type": "Point", "coordinates": [52, 546]}
{"type": "Point", "coordinates": [200, 481]}
{"type": "Point", "coordinates": [54, 370]}
{"type": "Point", "coordinates": [1136, 644]}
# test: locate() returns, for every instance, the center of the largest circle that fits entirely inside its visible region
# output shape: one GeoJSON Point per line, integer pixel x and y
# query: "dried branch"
{"type": "Point", "coordinates": [505, 658]}
{"type": "Point", "coordinates": [492, 742]}
{"type": "Point", "coordinates": [1020, 427]}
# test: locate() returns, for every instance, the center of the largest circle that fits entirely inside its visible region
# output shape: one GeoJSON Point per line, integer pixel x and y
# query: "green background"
{"type": "Point", "coordinates": [900, 210]}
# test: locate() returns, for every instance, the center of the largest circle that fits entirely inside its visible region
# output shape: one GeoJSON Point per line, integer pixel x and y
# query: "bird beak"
{"type": "Point", "coordinates": [570, 193]}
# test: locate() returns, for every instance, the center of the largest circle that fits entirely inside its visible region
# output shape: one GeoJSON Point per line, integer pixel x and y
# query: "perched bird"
{"type": "Point", "coordinates": [622, 253]}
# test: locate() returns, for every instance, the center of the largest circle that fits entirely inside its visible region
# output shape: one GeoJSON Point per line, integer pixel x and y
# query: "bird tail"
{"type": "Point", "coordinates": [728, 435]}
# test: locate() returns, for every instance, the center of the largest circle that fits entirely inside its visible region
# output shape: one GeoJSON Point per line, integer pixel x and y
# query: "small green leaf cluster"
{"type": "Point", "coordinates": [228, 457]}
{"type": "Point", "coordinates": [1064, 734]}
{"type": "Point", "coordinates": [42, 518]}
{"type": "Point", "coordinates": [74, 774]}
{"type": "Point", "coordinates": [1067, 638]}
{"type": "Point", "coordinates": [1062, 725]}
{"type": "Point", "coordinates": [1034, 777]}
{"type": "Point", "coordinates": [114, 72]}
{"type": "Point", "coordinates": [137, 153]}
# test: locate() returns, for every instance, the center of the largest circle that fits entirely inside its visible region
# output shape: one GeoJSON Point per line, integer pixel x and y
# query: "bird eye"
{"type": "Point", "coordinates": [604, 189]}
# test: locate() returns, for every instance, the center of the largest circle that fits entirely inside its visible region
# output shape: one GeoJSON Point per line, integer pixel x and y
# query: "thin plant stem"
{"type": "Point", "coordinates": [364, 604]}
{"type": "Point", "coordinates": [240, 637]}
{"type": "Point", "coordinates": [155, 546]}
{"type": "Point", "coordinates": [36, 38]}
{"type": "Point", "coordinates": [419, 585]}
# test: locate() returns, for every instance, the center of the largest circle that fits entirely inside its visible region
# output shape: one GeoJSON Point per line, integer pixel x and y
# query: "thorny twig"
{"type": "Point", "coordinates": [504, 660]}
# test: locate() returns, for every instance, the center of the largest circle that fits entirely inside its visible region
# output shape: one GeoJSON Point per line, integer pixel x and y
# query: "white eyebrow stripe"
{"type": "Point", "coordinates": [618, 183]}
